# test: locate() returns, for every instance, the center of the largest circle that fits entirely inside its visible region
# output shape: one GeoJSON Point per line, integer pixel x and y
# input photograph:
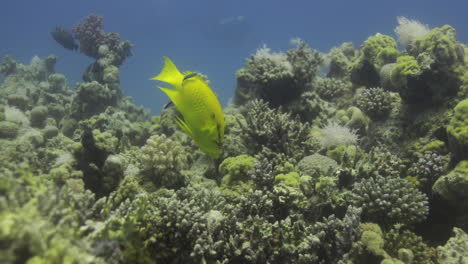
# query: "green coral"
{"type": "Point", "coordinates": [39, 222]}
{"type": "Point", "coordinates": [235, 169]}
{"type": "Point", "coordinates": [290, 179]}
{"type": "Point", "coordinates": [406, 67]}
{"type": "Point", "coordinates": [458, 130]}
{"type": "Point", "coordinates": [406, 244]}
{"type": "Point", "coordinates": [340, 60]}
{"type": "Point", "coordinates": [375, 102]}
{"type": "Point", "coordinates": [275, 130]}
{"type": "Point", "coordinates": [312, 164]}
{"type": "Point", "coordinates": [389, 200]}
{"type": "Point", "coordinates": [455, 250]}
{"type": "Point", "coordinates": [162, 162]}
{"type": "Point", "coordinates": [38, 116]}
{"type": "Point", "coordinates": [376, 51]}
{"type": "Point", "coordinates": [440, 43]}
{"type": "Point", "coordinates": [305, 62]}
{"type": "Point", "coordinates": [330, 88]}
{"type": "Point", "coordinates": [8, 129]}
{"type": "Point", "coordinates": [452, 187]}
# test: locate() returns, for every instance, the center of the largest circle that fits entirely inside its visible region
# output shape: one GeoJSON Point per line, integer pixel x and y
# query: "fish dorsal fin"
{"type": "Point", "coordinates": [170, 74]}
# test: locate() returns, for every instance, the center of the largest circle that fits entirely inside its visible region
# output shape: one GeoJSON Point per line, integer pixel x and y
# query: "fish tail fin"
{"type": "Point", "coordinates": [170, 74]}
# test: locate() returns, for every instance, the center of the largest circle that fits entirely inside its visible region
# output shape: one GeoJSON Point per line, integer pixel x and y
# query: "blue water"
{"type": "Point", "coordinates": [209, 36]}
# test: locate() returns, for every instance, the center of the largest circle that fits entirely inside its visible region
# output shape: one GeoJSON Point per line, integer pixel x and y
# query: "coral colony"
{"type": "Point", "coordinates": [367, 163]}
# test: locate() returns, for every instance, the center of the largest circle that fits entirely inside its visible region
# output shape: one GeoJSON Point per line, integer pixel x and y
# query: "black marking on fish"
{"type": "Point", "coordinates": [193, 74]}
{"type": "Point", "coordinates": [169, 104]}
{"type": "Point", "coordinates": [213, 116]}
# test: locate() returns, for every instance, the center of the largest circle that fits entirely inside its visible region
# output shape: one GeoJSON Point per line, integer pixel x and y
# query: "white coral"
{"type": "Point", "coordinates": [334, 134]}
{"type": "Point", "coordinates": [409, 30]}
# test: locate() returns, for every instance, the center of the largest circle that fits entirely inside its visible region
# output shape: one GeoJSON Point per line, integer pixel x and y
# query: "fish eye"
{"type": "Point", "coordinates": [213, 116]}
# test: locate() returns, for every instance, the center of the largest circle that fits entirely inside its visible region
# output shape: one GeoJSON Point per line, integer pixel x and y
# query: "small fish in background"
{"type": "Point", "coordinates": [64, 38]}
{"type": "Point", "coordinates": [203, 117]}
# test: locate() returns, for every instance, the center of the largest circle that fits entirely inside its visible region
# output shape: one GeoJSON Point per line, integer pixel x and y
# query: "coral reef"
{"type": "Point", "coordinates": [389, 200]}
{"type": "Point", "coordinates": [107, 48]}
{"type": "Point", "coordinates": [375, 102]}
{"type": "Point", "coordinates": [455, 251]}
{"type": "Point", "coordinates": [277, 78]}
{"type": "Point", "coordinates": [88, 177]}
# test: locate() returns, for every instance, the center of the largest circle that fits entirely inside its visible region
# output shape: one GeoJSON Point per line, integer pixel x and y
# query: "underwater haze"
{"type": "Point", "coordinates": [234, 132]}
{"type": "Point", "coordinates": [212, 37]}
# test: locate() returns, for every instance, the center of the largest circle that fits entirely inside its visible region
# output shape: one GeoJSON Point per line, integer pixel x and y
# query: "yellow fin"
{"type": "Point", "coordinates": [184, 126]}
{"type": "Point", "coordinates": [172, 94]}
{"type": "Point", "coordinates": [170, 74]}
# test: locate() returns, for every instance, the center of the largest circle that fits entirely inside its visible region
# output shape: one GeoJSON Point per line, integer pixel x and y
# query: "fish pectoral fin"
{"type": "Point", "coordinates": [184, 126]}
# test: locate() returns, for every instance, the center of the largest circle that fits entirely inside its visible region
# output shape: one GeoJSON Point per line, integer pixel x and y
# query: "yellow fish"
{"type": "Point", "coordinates": [203, 117]}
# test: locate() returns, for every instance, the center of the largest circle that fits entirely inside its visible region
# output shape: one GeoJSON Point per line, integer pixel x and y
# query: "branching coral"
{"type": "Point", "coordinates": [375, 102]}
{"type": "Point", "coordinates": [266, 127]}
{"type": "Point", "coordinates": [40, 222]}
{"type": "Point", "coordinates": [162, 161]}
{"type": "Point", "coordinates": [330, 88]}
{"type": "Point", "coordinates": [305, 62]}
{"type": "Point", "coordinates": [389, 200]}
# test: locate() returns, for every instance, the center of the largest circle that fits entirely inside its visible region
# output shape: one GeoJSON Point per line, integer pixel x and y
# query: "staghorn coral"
{"type": "Point", "coordinates": [262, 174]}
{"type": "Point", "coordinates": [389, 200]}
{"type": "Point", "coordinates": [162, 161]}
